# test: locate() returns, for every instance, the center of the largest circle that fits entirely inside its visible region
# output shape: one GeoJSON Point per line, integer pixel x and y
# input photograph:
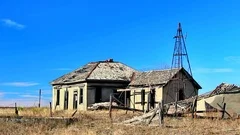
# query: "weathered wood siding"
{"type": "Point", "coordinates": [135, 101]}
{"type": "Point", "coordinates": [170, 89]}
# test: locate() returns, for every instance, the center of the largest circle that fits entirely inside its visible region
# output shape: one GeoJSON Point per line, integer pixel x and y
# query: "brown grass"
{"type": "Point", "coordinates": [98, 123]}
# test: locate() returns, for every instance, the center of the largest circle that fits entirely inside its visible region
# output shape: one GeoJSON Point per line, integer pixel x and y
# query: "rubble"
{"type": "Point", "coordinates": [102, 105]}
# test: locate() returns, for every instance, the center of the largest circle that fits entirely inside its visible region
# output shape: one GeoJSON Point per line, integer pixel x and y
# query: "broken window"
{"type": "Point", "coordinates": [66, 100]}
{"type": "Point", "coordinates": [81, 96]}
{"type": "Point", "coordinates": [152, 97]}
{"type": "Point", "coordinates": [75, 99]}
{"type": "Point", "coordinates": [58, 97]}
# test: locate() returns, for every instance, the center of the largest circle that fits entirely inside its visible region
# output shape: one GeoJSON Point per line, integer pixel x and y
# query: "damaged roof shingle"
{"type": "Point", "coordinates": [102, 70]}
{"type": "Point", "coordinates": [224, 88]}
{"type": "Point", "coordinates": [153, 77]}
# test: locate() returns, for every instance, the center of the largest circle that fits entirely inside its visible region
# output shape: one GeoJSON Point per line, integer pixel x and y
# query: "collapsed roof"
{"type": "Point", "coordinates": [108, 70]}
{"type": "Point", "coordinates": [222, 89]}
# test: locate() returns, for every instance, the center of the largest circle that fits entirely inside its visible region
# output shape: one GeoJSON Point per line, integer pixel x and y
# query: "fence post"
{"type": "Point", "coordinates": [16, 110]}
{"type": "Point", "coordinates": [50, 107]}
{"type": "Point", "coordinates": [223, 110]}
{"type": "Point", "coordinates": [194, 105]}
{"type": "Point", "coordinates": [161, 112]}
{"type": "Point", "coordinates": [39, 102]}
{"type": "Point", "coordinates": [148, 102]}
{"type": "Point", "coordinates": [110, 106]}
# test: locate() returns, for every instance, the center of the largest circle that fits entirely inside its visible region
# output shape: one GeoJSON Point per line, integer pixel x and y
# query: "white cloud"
{"type": "Point", "coordinates": [46, 92]}
{"type": "Point", "coordinates": [9, 93]}
{"type": "Point", "coordinates": [13, 24]}
{"type": "Point", "coordinates": [23, 102]}
{"type": "Point", "coordinates": [213, 70]}
{"type": "Point", "coordinates": [233, 59]}
{"type": "Point", "coordinates": [20, 84]}
{"type": "Point", "coordinates": [2, 94]}
{"type": "Point", "coordinates": [62, 69]}
{"type": "Point", "coordinates": [29, 96]}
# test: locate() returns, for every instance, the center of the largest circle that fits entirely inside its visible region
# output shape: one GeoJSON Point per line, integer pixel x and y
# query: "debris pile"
{"type": "Point", "coordinates": [102, 105]}
{"type": "Point", "coordinates": [223, 88]}
{"type": "Point", "coordinates": [147, 118]}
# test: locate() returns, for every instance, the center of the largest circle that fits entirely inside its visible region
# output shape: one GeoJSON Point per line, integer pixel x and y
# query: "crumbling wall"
{"type": "Point", "coordinates": [232, 103]}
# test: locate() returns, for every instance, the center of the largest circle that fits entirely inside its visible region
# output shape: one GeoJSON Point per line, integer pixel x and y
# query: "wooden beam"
{"type": "Point", "coordinates": [134, 99]}
{"type": "Point", "coordinates": [224, 109]}
{"type": "Point", "coordinates": [125, 98]}
{"type": "Point", "coordinates": [153, 115]}
{"type": "Point", "coordinates": [74, 113]}
{"type": "Point", "coordinates": [194, 104]}
{"type": "Point", "coordinates": [176, 99]}
{"type": "Point", "coordinates": [125, 108]}
{"type": "Point", "coordinates": [161, 113]}
{"type": "Point", "coordinates": [114, 98]}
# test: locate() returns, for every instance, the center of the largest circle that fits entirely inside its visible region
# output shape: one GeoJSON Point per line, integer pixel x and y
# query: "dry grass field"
{"type": "Point", "coordinates": [98, 123]}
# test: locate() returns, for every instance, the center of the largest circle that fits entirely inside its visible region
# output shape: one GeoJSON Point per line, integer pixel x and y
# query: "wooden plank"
{"type": "Point", "coordinates": [134, 100]}
{"type": "Point", "coordinates": [114, 98]}
{"type": "Point", "coordinates": [152, 116]}
{"type": "Point", "coordinates": [194, 106]}
{"type": "Point", "coordinates": [125, 98]}
{"type": "Point", "coordinates": [157, 110]}
{"type": "Point", "coordinates": [148, 102]}
{"type": "Point", "coordinates": [140, 118]}
{"type": "Point", "coordinates": [74, 113]}
{"type": "Point", "coordinates": [224, 109]}
{"type": "Point", "coordinates": [162, 112]}
{"type": "Point", "coordinates": [176, 99]}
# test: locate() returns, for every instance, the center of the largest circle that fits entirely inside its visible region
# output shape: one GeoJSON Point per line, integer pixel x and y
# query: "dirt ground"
{"type": "Point", "coordinates": [99, 123]}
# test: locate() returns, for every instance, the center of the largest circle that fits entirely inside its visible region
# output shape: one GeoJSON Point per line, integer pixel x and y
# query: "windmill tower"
{"type": "Point", "coordinates": [179, 60]}
{"type": "Point", "coordinates": [180, 52]}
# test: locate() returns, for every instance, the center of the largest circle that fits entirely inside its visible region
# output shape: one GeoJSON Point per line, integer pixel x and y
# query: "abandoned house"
{"type": "Point", "coordinates": [160, 85]}
{"type": "Point", "coordinates": [92, 83]}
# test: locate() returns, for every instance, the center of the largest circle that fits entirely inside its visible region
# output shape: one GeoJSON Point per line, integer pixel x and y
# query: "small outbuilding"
{"type": "Point", "coordinates": [161, 85]}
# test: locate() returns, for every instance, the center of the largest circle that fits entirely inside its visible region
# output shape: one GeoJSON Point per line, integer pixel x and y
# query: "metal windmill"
{"type": "Point", "coordinates": [179, 55]}
{"type": "Point", "coordinates": [180, 52]}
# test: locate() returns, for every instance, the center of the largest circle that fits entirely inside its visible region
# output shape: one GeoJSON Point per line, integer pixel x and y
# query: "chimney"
{"type": "Point", "coordinates": [109, 60]}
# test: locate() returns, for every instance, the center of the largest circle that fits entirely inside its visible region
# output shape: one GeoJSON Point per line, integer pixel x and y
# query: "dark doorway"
{"type": "Point", "coordinates": [98, 95]}
{"type": "Point", "coordinates": [66, 100]}
{"type": "Point", "coordinates": [152, 98]}
{"type": "Point", "coordinates": [58, 97]}
{"type": "Point", "coordinates": [127, 98]}
{"type": "Point", "coordinates": [181, 94]}
{"type": "Point", "coordinates": [75, 100]}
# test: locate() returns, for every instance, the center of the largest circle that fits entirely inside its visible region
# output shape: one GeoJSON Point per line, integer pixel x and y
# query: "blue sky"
{"type": "Point", "coordinates": [42, 40]}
